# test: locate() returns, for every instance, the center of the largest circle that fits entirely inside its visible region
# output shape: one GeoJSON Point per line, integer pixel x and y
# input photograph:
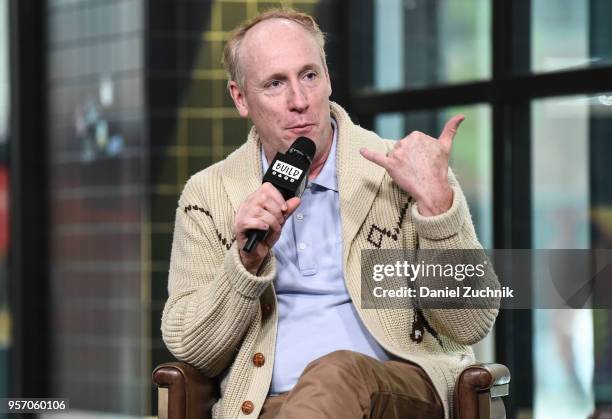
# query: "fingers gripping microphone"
{"type": "Point", "coordinates": [289, 174]}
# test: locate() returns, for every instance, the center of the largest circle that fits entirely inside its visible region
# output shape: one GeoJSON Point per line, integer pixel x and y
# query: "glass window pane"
{"type": "Point", "coordinates": [96, 173]}
{"type": "Point", "coordinates": [470, 158]}
{"type": "Point", "coordinates": [570, 34]}
{"type": "Point", "coordinates": [571, 208]}
{"type": "Point", "coordinates": [421, 43]}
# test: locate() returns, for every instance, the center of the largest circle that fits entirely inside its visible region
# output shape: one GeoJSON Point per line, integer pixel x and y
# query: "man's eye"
{"type": "Point", "coordinates": [273, 84]}
{"type": "Point", "coordinates": [311, 75]}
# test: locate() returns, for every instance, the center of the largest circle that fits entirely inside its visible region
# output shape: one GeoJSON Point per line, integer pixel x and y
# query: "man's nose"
{"type": "Point", "coordinates": [298, 98]}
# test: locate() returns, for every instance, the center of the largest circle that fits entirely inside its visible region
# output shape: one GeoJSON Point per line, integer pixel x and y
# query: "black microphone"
{"type": "Point", "coordinates": [289, 174]}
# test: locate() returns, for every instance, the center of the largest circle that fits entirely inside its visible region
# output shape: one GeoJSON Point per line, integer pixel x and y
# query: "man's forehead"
{"type": "Point", "coordinates": [276, 46]}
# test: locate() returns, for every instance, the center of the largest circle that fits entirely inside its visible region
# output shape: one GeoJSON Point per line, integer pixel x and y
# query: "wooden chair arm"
{"type": "Point", "coordinates": [184, 392]}
{"type": "Point", "coordinates": [479, 391]}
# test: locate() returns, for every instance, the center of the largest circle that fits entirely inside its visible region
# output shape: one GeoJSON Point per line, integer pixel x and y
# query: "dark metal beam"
{"type": "Point", "coordinates": [29, 281]}
{"type": "Point", "coordinates": [504, 90]}
{"type": "Point", "coordinates": [369, 103]}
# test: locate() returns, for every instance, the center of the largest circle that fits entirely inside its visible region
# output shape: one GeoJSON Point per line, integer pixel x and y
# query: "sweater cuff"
{"type": "Point", "coordinates": [243, 281]}
{"type": "Point", "coordinates": [445, 225]}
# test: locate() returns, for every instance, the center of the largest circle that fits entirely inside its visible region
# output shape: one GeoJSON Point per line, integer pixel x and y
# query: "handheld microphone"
{"type": "Point", "coordinates": [289, 174]}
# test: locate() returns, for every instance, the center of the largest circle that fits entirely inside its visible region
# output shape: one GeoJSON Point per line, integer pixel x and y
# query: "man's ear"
{"type": "Point", "coordinates": [329, 88]}
{"type": "Point", "coordinates": [239, 99]}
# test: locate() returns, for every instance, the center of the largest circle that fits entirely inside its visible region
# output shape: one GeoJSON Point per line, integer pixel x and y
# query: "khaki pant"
{"type": "Point", "coordinates": [346, 384]}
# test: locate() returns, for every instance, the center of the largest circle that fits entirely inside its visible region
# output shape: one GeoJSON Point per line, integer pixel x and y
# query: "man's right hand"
{"type": "Point", "coordinates": [264, 209]}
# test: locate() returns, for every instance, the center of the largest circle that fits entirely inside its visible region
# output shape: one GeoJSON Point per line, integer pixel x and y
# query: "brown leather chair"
{"type": "Point", "coordinates": [185, 393]}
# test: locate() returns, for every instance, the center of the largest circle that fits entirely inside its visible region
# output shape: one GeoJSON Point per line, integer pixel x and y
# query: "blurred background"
{"type": "Point", "coordinates": [107, 107]}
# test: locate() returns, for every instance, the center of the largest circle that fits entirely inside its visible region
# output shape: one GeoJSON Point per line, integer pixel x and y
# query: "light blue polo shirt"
{"type": "Point", "coordinates": [315, 312]}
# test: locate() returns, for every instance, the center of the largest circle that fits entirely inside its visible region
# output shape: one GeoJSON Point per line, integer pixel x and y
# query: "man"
{"type": "Point", "coordinates": [279, 326]}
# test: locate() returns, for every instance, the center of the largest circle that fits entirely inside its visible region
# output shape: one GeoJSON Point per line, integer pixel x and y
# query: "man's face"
{"type": "Point", "coordinates": [287, 88]}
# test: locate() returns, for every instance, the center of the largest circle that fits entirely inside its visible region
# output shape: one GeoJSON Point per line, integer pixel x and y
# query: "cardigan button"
{"type": "Point", "coordinates": [259, 359]}
{"type": "Point", "coordinates": [247, 407]}
{"type": "Point", "coordinates": [266, 309]}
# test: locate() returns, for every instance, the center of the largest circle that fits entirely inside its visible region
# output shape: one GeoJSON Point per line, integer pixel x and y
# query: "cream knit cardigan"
{"type": "Point", "coordinates": [213, 318]}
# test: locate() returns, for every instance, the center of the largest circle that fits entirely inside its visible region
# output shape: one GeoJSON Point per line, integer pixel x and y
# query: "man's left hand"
{"type": "Point", "coordinates": [419, 165]}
